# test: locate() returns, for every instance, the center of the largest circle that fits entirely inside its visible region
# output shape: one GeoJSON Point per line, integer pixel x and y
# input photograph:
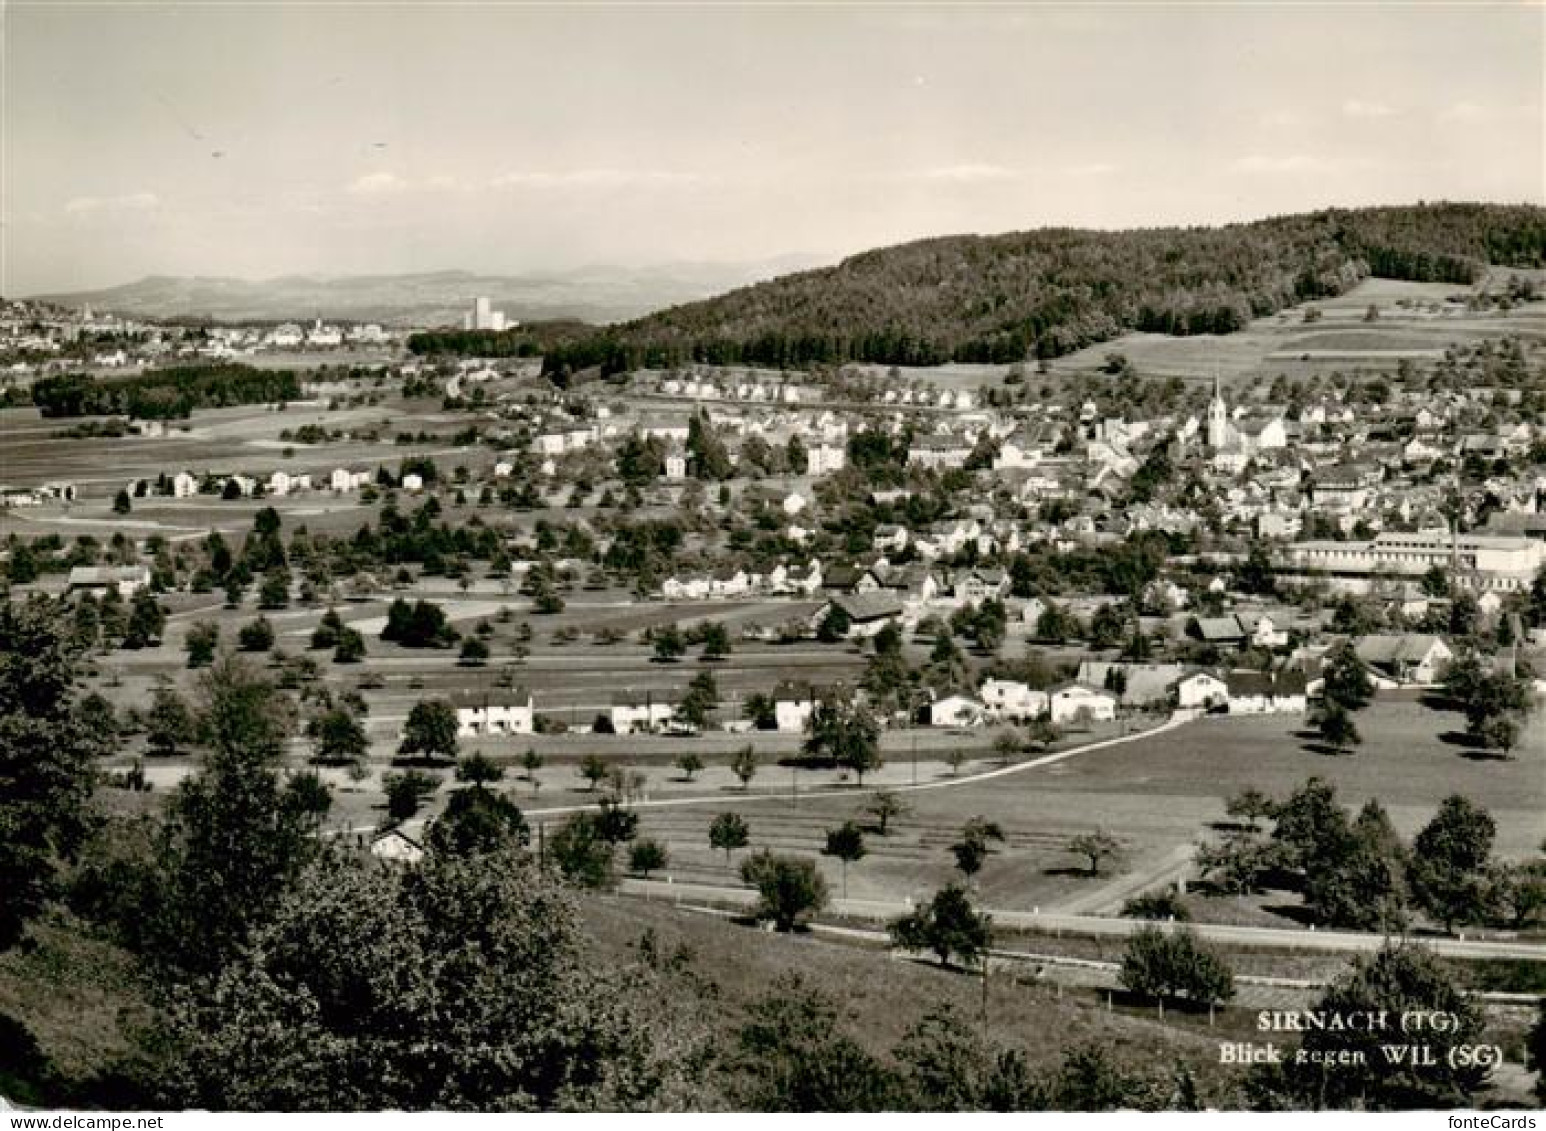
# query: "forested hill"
{"type": "Point", "coordinates": [1051, 291]}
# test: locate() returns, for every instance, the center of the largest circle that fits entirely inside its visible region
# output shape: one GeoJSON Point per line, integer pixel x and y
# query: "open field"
{"type": "Point", "coordinates": [242, 439]}
{"type": "Point", "coordinates": [1157, 794]}
{"type": "Point", "coordinates": [1341, 339]}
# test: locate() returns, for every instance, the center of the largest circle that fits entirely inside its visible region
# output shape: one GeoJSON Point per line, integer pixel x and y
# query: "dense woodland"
{"type": "Point", "coordinates": [164, 394]}
{"type": "Point", "coordinates": [523, 341]}
{"type": "Point", "coordinates": [1048, 292]}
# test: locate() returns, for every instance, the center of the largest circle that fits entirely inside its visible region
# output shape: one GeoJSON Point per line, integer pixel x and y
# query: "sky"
{"type": "Point", "coordinates": [263, 139]}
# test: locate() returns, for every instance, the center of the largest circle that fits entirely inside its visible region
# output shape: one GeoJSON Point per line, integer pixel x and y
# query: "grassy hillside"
{"type": "Point", "coordinates": [1049, 292]}
{"type": "Point", "coordinates": [732, 965]}
{"type": "Point", "coordinates": [71, 1010]}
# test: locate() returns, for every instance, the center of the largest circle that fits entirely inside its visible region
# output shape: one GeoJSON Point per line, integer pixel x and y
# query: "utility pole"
{"type": "Point", "coordinates": [912, 726]}
{"type": "Point", "coordinates": [985, 987]}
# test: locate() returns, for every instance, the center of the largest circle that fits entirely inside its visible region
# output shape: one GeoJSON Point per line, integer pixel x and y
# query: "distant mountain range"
{"type": "Point", "coordinates": [597, 293]}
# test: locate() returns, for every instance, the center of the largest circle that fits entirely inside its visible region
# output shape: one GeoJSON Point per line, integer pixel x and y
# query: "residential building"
{"type": "Point", "coordinates": [1267, 693]}
{"type": "Point", "coordinates": [1077, 702]}
{"type": "Point", "coordinates": [493, 712]}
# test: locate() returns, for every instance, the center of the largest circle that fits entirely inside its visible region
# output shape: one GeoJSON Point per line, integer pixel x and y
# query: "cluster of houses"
{"type": "Point", "coordinates": [1099, 692]}
{"type": "Point", "coordinates": [752, 387]}
{"type": "Point", "coordinates": [749, 388]}
{"type": "Point", "coordinates": [1093, 697]}
{"type": "Point", "coordinates": [46, 340]}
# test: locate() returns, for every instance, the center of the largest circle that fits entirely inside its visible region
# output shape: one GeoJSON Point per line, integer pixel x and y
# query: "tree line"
{"type": "Point", "coordinates": [164, 394]}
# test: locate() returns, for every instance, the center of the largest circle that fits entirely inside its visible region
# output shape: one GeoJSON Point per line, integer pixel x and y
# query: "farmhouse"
{"type": "Point", "coordinates": [97, 580]}
{"type": "Point", "coordinates": [643, 713]}
{"type": "Point", "coordinates": [1225, 632]}
{"type": "Point", "coordinates": [955, 711]}
{"type": "Point", "coordinates": [495, 712]}
{"type": "Point", "coordinates": [1012, 699]}
{"type": "Point", "coordinates": [685, 588]}
{"type": "Point", "coordinates": [867, 613]}
{"type": "Point", "coordinates": [1266, 634]}
{"type": "Point", "coordinates": [823, 459]}
{"type": "Point", "coordinates": [283, 482]}
{"type": "Point", "coordinates": [938, 451]}
{"type": "Point", "coordinates": [1405, 657]}
{"type": "Point", "coordinates": [850, 579]}
{"type": "Point", "coordinates": [1201, 689]}
{"type": "Point", "coordinates": [342, 479]}
{"type": "Point", "coordinates": [1075, 701]}
{"type": "Point", "coordinates": [1266, 693]}
{"type": "Point", "coordinates": [793, 703]}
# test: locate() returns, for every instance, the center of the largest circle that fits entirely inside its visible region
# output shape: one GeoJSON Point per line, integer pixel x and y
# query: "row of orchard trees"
{"type": "Point", "coordinates": [1358, 873]}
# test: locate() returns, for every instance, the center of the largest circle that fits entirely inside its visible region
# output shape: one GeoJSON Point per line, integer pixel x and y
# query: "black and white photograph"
{"type": "Point", "coordinates": [779, 557]}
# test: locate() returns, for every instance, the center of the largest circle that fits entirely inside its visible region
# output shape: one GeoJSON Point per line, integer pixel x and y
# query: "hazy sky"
{"type": "Point", "coordinates": [381, 138]}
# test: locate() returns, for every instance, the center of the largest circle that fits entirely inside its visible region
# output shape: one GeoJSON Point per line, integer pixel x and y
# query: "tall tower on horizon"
{"type": "Point", "coordinates": [1218, 417]}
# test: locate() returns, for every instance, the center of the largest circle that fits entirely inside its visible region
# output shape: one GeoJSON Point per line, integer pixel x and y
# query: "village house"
{"type": "Point", "coordinates": [933, 451]}
{"type": "Point", "coordinates": [126, 581]}
{"type": "Point", "coordinates": [867, 613]}
{"type": "Point", "coordinates": [851, 579]}
{"type": "Point", "coordinates": [689, 587]}
{"type": "Point", "coordinates": [955, 711]}
{"type": "Point", "coordinates": [1201, 690]}
{"type": "Point", "coordinates": [890, 538]}
{"type": "Point", "coordinates": [1223, 632]}
{"type": "Point", "coordinates": [281, 483]}
{"type": "Point", "coordinates": [977, 585]}
{"type": "Point", "coordinates": [1266, 693]}
{"type": "Point", "coordinates": [342, 479]}
{"type": "Point", "coordinates": [824, 459]}
{"type": "Point", "coordinates": [1406, 658]}
{"type": "Point", "coordinates": [1266, 634]}
{"type": "Point", "coordinates": [793, 703]}
{"type": "Point", "coordinates": [1078, 702]}
{"type": "Point", "coordinates": [643, 713]}
{"type": "Point", "coordinates": [729, 581]}
{"type": "Point", "coordinates": [1012, 699]}
{"type": "Point", "coordinates": [485, 712]}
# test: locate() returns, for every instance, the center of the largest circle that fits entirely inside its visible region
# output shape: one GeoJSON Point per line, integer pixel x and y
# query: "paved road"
{"type": "Point", "coordinates": [1092, 925]}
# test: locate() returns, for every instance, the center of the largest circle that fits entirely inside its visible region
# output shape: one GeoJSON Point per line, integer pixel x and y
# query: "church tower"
{"type": "Point", "coordinates": [1218, 418]}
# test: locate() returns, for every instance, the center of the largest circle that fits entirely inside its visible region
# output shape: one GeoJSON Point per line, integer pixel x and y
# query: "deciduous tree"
{"type": "Point", "coordinates": [430, 730]}
{"type": "Point", "coordinates": [788, 887]}
{"type": "Point", "coordinates": [727, 832]}
{"type": "Point", "coordinates": [948, 925]}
